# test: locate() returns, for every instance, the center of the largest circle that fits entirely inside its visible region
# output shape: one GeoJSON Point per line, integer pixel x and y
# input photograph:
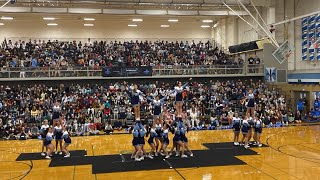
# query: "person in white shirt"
{"type": "Point", "coordinates": [194, 116]}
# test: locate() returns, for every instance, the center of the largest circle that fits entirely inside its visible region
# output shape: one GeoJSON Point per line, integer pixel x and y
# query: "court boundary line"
{"type": "Point", "coordinates": [273, 167]}
{"type": "Point", "coordinates": [95, 175]}
{"type": "Point", "coordinates": [267, 141]}
{"type": "Point", "coordinates": [24, 174]}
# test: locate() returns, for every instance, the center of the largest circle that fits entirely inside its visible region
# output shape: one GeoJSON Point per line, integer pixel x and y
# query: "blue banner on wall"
{"type": "Point", "coordinates": [126, 71]}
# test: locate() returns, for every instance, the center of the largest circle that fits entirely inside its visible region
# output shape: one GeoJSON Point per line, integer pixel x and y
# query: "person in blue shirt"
{"type": "Point", "coordinates": [34, 63]}
{"type": "Point", "coordinates": [315, 113]}
{"type": "Point", "coordinates": [300, 105]}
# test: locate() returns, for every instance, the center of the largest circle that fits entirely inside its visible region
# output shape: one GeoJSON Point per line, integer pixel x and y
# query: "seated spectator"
{"type": "Point", "coordinates": [108, 128]}
{"type": "Point", "coordinates": [298, 117]}
{"type": "Point", "coordinates": [117, 125]}
{"type": "Point", "coordinates": [34, 131]}
{"type": "Point", "coordinates": [93, 129]}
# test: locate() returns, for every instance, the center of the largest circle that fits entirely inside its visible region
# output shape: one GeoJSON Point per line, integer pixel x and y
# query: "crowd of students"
{"type": "Point", "coordinates": [90, 109]}
{"type": "Point", "coordinates": [59, 54]}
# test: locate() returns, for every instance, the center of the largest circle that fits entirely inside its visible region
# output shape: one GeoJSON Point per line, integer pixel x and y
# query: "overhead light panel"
{"type": "Point", "coordinates": [137, 20]}
{"type": "Point", "coordinates": [52, 24]}
{"type": "Point", "coordinates": [89, 19]}
{"type": "Point", "coordinates": [132, 25]}
{"type": "Point", "coordinates": [165, 26]}
{"type": "Point", "coordinates": [6, 18]}
{"type": "Point", "coordinates": [49, 18]}
{"type": "Point", "coordinates": [205, 26]}
{"type": "Point", "coordinates": [88, 25]}
{"type": "Point", "coordinates": [207, 21]}
{"type": "Point", "coordinates": [1, 24]}
{"type": "Point", "coordinates": [173, 20]}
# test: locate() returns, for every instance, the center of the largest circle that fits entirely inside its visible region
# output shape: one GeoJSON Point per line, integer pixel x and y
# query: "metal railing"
{"type": "Point", "coordinates": [167, 71]}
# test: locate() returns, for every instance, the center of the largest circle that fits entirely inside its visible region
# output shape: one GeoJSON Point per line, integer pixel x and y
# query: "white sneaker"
{"type": "Point", "coordinates": [43, 154]}
{"type": "Point", "coordinates": [67, 155]}
{"type": "Point", "coordinates": [184, 156]}
{"type": "Point", "coordinates": [241, 144]}
{"type": "Point", "coordinates": [191, 154]}
{"type": "Point", "coordinates": [260, 145]}
{"type": "Point", "coordinates": [60, 153]}
{"type": "Point", "coordinates": [149, 156]}
{"type": "Point", "coordinates": [170, 154]}
{"type": "Point", "coordinates": [235, 143]}
{"type": "Point", "coordinates": [56, 152]}
{"type": "Point", "coordinates": [137, 159]}
{"type": "Point", "coordinates": [255, 143]}
{"type": "Point", "coordinates": [142, 158]}
{"type": "Point", "coordinates": [246, 146]}
{"type": "Point", "coordinates": [177, 155]}
{"type": "Point", "coordinates": [156, 154]}
{"type": "Point", "coordinates": [48, 157]}
{"type": "Point", "coordinates": [162, 154]}
{"type": "Point", "coordinates": [167, 156]}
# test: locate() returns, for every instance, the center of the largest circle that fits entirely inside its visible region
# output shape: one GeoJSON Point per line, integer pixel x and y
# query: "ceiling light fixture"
{"type": "Point", "coordinates": [165, 26]}
{"type": "Point", "coordinates": [49, 18]}
{"type": "Point", "coordinates": [207, 21]}
{"type": "Point", "coordinates": [137, 20]}
{"type": "Point", "coordinates": [205, 26]}
{"type": "Point", "coordinates": [1, 24]}
{"type": "Point", "coordinates": [6, 18]}
{"type": "Point", "coordinates": [173, 20]}
{"type": "Point", "coordinates": [88, 25]}
{"type": "Point", "coordinates": [52, 24]}
{"type": "Point", "coordinates": [89, 19]}
{"type": "Point", "coordinates": [132, 25]}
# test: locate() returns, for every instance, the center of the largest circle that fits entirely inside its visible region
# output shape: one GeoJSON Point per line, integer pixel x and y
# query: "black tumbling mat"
{"type": "Point", "coordinates": [37, 155]}
{"type": "Point", "coordinates": [114, 163]}
{"type": "Point", "coordinates": [217, 154]}
{"type": "Point", "coordinates": [71, 161]}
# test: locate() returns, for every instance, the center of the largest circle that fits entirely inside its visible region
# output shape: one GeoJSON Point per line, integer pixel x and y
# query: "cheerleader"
{"type": "Point", "coordinates": [67, 142]}
{"type": "Point", "coordinates": [137, 154]}
{"type": "Point", "coordinates": [236, 121]}
{"type": "Point", "coordinates": [184, 139]}
{"type": "Point", "coordinates": [135, 101]}
{"type": "Point", "coordinates": [56, 110]}
{"type": "Point", "coordinates": [158, 137]}
{"type": "Point", "coordinates": [250, 104]}
{"type": "Point", "coordinates": [157, 106]}
{"type": "Point", "coordinates": [48, 144]}
{"type": "Point", "coordinates": [165, 136]}
{"type": "Point", "coordinates": [177, 143]}
{"type": "Point", "coordinates": [58, 136]}
{"type": "Point", "coordinates": [245, 129]}
{"type": "Point", "coordinates": [142, 133]}
{"type": "Point", "coordinates": [178, 96]}
{"type": "Point", "coordinates": [43, 131]}
{"type": "Point", "coordinates": [251, 126]}
{"type": "Point", "coordinates": [153, 134]}
{"type": "Point", "coordinates": [257, 131]}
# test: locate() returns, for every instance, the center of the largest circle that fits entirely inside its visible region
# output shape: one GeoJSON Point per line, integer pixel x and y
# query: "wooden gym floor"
{"type": "Point", "coordinates": [291, 153]}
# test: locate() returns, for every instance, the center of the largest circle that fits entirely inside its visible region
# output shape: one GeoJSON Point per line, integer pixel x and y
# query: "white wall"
{"type": "Point", "coordinates": [35, 27]}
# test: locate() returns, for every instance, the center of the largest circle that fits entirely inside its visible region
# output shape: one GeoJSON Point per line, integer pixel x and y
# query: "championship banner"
{"type": "Point", "coordinates": [126, 71]}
